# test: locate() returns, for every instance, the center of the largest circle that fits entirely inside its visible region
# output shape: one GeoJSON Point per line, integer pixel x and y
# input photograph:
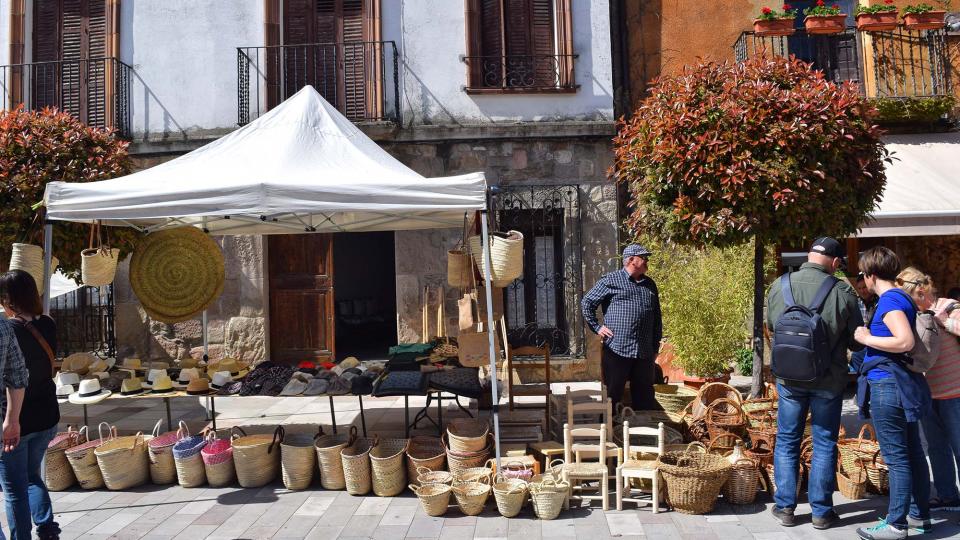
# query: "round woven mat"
{"type": "Point", "coordinates": [176, 273]}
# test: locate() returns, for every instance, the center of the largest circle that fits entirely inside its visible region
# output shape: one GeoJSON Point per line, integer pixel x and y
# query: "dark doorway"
{"type": "Point", "coordinates": [366, 294]}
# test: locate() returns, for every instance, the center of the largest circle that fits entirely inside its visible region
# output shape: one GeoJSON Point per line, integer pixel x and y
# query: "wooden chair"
{"type": "Point", "coordinates": [530, 389]}
{"type": "Point", "coordinates": [643, 466]}
{"type": "Point", "coordinates": [575, 470]}
{"type": "Point", "coordinates": [601, 410]}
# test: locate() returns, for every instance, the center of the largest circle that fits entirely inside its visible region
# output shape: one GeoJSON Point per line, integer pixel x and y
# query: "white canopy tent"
{"type": "Point", "coordinates": [922, 196]}
{"type": "Point", "coordinates": [301, 168]}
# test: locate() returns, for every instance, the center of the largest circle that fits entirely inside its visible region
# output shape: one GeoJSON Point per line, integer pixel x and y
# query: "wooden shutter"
{"type": "Point", "coordinates": [354, 65]}
{"type": "Point", "coordinates": [44, 78]}
{"type": "Point", "coordinates": [488, 69]}
{"type": "Point", "coordinates": [328, 33]}
{"type": "Point", "coordinates": [298, 31]}
{"type": "Point", "coordinates": [543, 41]}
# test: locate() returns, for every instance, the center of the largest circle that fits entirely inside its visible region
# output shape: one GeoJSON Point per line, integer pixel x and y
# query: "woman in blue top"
{"type": "Point", "coordinates": [895, 397]}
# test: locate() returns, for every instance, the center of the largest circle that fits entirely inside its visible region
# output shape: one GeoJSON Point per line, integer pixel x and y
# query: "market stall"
{"type": "Point", "coordinates": [301, 168]}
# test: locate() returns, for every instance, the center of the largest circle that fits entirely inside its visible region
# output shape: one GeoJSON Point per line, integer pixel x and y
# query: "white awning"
{"type": "Point", "coordinates": [302, 167]}
{"type": "Point", "coordinates": [922, 197]}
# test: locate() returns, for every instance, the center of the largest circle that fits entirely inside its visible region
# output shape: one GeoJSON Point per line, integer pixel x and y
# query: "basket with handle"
{"type": "Point", "coordinates": [482, 473]}
{"type": "Point", "coordinates": [757, 452]}
{"type": "Point", "coordinates": [506, 256]}
{"type": "Point", "coordinates": [711, 392]}
{"type": "Point", "coordinates": [57, 473]}
{"type": "Point", "coordinates": [328, 449]}
{"type": "Point", "coordinates": [427, 453]}
{"type": "Point", "coordinates": [356, 466]}
{"type": "Point", "coordinates": [852, 484]}
{"type": "Point", "coordinates": [186, 455]}
{"type": "Point", "coordinates": [471, 496]}
{"type": "Point", "coordinates": [387, 470]}
{"type": "Point", "coordinates": [459, 269]}
{"type": "Point", "coordinates": [664, 387]}
{"type": "Point", "coordinates": [458, 462]}
{"type": "Point", "coordinates": [725, 416]}
{"type": "Point", "coordinates": [693, 480]}
{"type": "Point", "coordinates": [434, 498]}
{"type": "Point", "coordinates": [124, 462]}
{"type": "Point", "coordinates": [426, 476]}
{"type": "Point", "coordinates": [465, 436]}
{"type": "Point", "coordinates": [510, 494]}
{"type": "Point", "coordinates": [676, 400]}
{"type": "Point", "coordinates": [256, 457]}
{"type": "Point", "coordinates": [217, 458]}
{"type": "Point", "coordinates": [83, 461]}
{"type": "Point", "coordinates": [878, 475]}
{"type": "Point", "coordinates": [860, 448]}
{"type": "Point", "coordinates": [29, 258]}
{"type": "Point", "coordinates": [743, 484]}
{"type": "Point", "coordinates": [163, 469]}
{"type": "Point", "coordinates": [98, 265]}
{"type": "Point", "coordinates": [516, 469]}
{"type": "Point", "coordinates": [547, 497]}
{"type": "Point", "coordinates": [298, 459]}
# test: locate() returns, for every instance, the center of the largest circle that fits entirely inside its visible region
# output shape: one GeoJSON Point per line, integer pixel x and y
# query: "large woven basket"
{"type": "Point", "coordinates": [743, 484]}
{"type": "Point", "coordinates": [328, 449]}
{"type": "Point", "coordinates": [471, 497]}
{"type": "Point", "coordinates": [459, 269]}
{"type": "Point", "coordinates": [675, 401]}
{"type": "Point", "coordinates": [547, 497]}
{"type": "Point", "coordinates": [83, 460]}
{"type": "Point", "coordinates": [98, 266]}
{"type": "Point", "coordinates": [711, 392]}
{"type": "Point", "coordinates": [186, 455]}
{"type": "Point", "coordinates": [457, 463]}
{"type": "Point", "coordinates": [387, 470]}
{"type": "Point", "coordinates": [356, 466]}
{"type": "Point", "coordinates": [482, 474]}
{"type": "Point", "coordinates": [163, 469]}
{"type": "Point", "coordinates": [124, 462]}
{"type": "Point", "coordinates": [256, 457]}
{"type": "Point", "coordinates": [29, 258]}
{"type": "Point", "coordinates": [425, 452]}
{"type": "Point", "coordinates": [426, 476]}
{"type": "Point", "coordinates": [217, 458]}
{"type": "Point", "coordinates": [693, 480]}
{"type": "Point", "coordinates": [506, 256]}
{"type": "Point", "coordinates": [510, 495]}
{"type": "Point", "coordinates": [725, 415]}
{"type": "Point", "coordinates": [298, 460]}
{"type": "Point", "coordinates": [466, 435]}
{"type": "Point", "coordinates": [864, 450]}
{"type": "Point", "coordinates": [434, 498]}
{"type": "Point", "coordinates": [57, 473]}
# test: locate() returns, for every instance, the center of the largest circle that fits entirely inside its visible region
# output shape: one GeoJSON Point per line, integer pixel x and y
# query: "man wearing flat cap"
{"type": "Point", "coordinates": [631, 330]}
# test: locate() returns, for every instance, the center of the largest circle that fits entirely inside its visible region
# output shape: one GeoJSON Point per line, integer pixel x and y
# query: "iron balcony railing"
{"type": "Point", "coordinates": [95, 90]}
{"type": "Point", "coordinates": [360, 78]}
{"type": "Point", "coordinates": [896, 64]}
{"type": "Point", "coordinates": [521, 73]}
{"type": "Point", "coordinates": [85, 321]}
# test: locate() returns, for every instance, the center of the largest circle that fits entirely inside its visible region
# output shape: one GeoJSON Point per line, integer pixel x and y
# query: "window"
{"type": "Point", "coordinates": [85, 321]}
{"type": "Point", "coordinates": [519, 46]}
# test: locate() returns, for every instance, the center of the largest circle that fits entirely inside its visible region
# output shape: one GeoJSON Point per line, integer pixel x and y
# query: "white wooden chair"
{"type": "Point", "coordinates": [576, 471]}
{"type": "Point", "coordinates": [644, 465]}
{"type": "Point", "coordinates": [601, 411]}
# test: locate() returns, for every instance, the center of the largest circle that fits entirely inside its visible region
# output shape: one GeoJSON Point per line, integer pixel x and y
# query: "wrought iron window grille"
{"type": "Point", "coordinates": [85, 322]}
{"type": "Point", "coordinates": [521, 73]}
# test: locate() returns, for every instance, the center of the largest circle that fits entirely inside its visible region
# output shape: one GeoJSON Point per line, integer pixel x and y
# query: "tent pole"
{"type": "Point", "coordinates": [206, 337]}
{"type": "Point", "coordinates": [491, 333]}
{"type": "Point", "coordinates": [47, 262]}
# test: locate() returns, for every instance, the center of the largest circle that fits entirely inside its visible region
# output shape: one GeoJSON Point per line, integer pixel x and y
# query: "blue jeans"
{"type": "Point", "coordinates": [902, 451]}
{"type": "Point", "coordinates": [825, 407]}
{"type": "Point", "coordinates": [24, 492]}
{"type": "Point", "coordinates": [942, 430]}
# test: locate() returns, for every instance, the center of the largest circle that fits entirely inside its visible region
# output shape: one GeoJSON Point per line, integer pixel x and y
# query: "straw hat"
{"type": "Point", "coordinates": [176, 273]}
{"type": "Point", "coordinates": [102, 375]}
{"type": "Point", "coordinates": [77, 363]}
{"type": "Point", "coordinates": [89, 392]}
{"type": "Point", "coordinates": [349, 362]}
{"type": "Point", "coordinates": [64, 391]}
{"type": "Point", "coordinates": [189, 362]}
{"type": "Point", "coordinates": [162, 384]}
{"type": "Point", "coordinates": [152, 376]}
{"type": "Point", "coordinates": [131, 387]}
{"type": "Point", "coordinates": [131, 363]}
{"type": "Point", "coordinates": [198, 387]}
{"type": "Point", "coordinates": [186, 376]}
{"type": "Point", "coordinates": [237, 369]}
{"type": "Point", "coordinates": [66, 379]}
{"type": "Point", "coordinates": [97, 366]}
{"type": "Point", "coordinates": [221, 379]}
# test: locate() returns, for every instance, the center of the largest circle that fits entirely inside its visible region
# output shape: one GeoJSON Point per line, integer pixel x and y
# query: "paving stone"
{"type": "Point", "coordinates": [457, 532]}
{"type": "Point", "coordinates": [297, 527]}
{"type": "Point", "coordinates": [324, 532]}
{"type": "Point", "coordinates": [426, 527]}
{"type": "Point", "coordinates": [115, 524]}
{"type": "Point", "coordinates": [624, 523]}
{"type": "Point", "coordinates": [398, 515]}
{"type": "Point", "coordinates": [360, 526]}
{"type": "Point", "coordinates": [373, 506]}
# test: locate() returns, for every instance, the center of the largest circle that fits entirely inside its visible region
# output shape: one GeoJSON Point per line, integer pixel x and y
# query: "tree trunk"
{"type": "Point", "coordinates": [756, 388]}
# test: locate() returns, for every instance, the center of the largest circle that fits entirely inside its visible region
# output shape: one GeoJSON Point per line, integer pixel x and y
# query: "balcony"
{"type": "Point", "coordinates": [895, 64]}
{"type": "Point", "coordinates": [359, 78]}
{"type": "Point", "coordinates": [96, 90]}
{"type": "Point", "coordinates": [529, 73]}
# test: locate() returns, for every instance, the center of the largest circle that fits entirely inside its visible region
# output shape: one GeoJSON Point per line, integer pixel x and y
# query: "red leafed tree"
{"type": "Point", "coordinates": [766, 149]}
{"type": "Point", "coordinates": [37, 147]}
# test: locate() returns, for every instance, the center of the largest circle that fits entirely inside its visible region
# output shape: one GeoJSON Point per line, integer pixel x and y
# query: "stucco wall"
{"type": "Point", "coordinates": [5, 33]}
{"type": "Point", "coordinates": [185, 62]}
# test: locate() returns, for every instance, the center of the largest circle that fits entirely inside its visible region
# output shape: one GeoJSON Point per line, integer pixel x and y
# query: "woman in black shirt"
{"type": "Point", "coordinates": [25, 494]}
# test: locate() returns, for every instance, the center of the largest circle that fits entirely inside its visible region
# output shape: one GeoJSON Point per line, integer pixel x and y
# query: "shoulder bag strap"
{"type": "Point", "coordinates": [43, 343]}
{"type": "Point", "coordinates": [786, 291]}
{"type": "Point", "coordinates": [822, 293]}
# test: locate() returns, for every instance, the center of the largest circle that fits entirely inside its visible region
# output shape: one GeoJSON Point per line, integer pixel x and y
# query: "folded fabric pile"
{"type": "Point", "coordinates": [267, 379]}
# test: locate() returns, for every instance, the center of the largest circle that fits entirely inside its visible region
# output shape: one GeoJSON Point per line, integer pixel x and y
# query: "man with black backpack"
{"type": "Point", "coordinates": [812, 316]}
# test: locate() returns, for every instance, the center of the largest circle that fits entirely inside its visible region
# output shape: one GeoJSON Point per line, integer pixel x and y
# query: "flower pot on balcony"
{"type": "Point", "coordinates": [825, 24]}
{"type": "Point", "coordinates": [883, 21]}
{"type": "Point", "coordinates": [931, 20]}
{"type": "Point", "coordinates": [773, 27]}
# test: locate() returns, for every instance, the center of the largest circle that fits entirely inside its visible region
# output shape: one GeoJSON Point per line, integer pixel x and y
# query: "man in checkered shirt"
{"type": "Point", "coordinates": [15, 378]}
{"type": "Point", "coordinates": [631, 330]}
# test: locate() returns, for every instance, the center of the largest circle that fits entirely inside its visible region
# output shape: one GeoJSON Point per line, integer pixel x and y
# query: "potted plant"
{"type": "Point", "coordinates": [878, 18]}
{"type": "Point", "coordinates": [824, 19]}
{"type": "Point", "coordinates": [923, 17]}
{"type": "Point", "coordinates": [775, 23]}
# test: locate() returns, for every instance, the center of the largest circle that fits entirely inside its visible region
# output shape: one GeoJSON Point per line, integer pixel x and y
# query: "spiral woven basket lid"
{"type": "Point", "coordinates": [176, 273]}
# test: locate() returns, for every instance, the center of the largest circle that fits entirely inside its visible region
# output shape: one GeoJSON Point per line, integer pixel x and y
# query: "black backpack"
{"type": "Point", "coordinates": [801, 348]}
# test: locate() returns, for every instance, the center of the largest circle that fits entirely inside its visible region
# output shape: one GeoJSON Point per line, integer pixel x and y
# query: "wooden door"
{"type": "Point", "coordinates": [301, 297]}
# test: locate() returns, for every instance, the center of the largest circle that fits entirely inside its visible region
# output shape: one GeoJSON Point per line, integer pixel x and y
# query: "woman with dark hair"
{"type": "Point", "coordinates": [895, 397]}
{"type": "Point", "coordinates": [24, 492]}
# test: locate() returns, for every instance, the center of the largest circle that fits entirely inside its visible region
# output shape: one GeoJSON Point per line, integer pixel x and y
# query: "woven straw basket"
{"type": "Point", "coordinates": [426, 476]}
{"type": "Point", "coordinates": [98, 266]}
{"type": "Point", "coordinates": [466, 436]}
{"type": "Point", "coordinates": [388, 473]}
{"type": "Point", "coordinates": [482, 474]}
{"type": "Point", "coordinates": [356, 466]}
{"type": "Point", "coordinates": [458, 462]}
{"type": "Point", "coordinates": [256, 457]}
{"type": "Point", "coordinates": [217, 458]}
{"type": "Point", "coordinates": [83, 461]}
{"type": "Point", "coordinates": [163, 470]}
{"type": "Point", "coordinates": [434, 498]}
{"type": "Point", "coordinates": [510, 494]}
{"type": "Point", "coordinates": [548, 497]}
{"type": "Point", "coordinates": [852, 484]}
{"type": "Point", "coordinates": [693, 480]}
{"type": "Point", "coordinates": [124, 462]}
{"type": "Point", "coordinates": [743, 484]}
{"type": "Point", "coordinates": [506, 256]}
{"type": "Point", "coordinates": [189, 462]}
{"type": "Point", "coordinates": [459, 269]}
{"type": "Point", "coordinates": [471, 497]}
{"type": "Point", "coordinates": [29, 258]}
{"type": "Point", "coordinates": [57, 473]}
{"type": "Point", "coordinates": [297, 460]}
{"type": "Point", "coordinates": [328, 449]}
{"type": "Point", "coordinates": [425, 453]}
